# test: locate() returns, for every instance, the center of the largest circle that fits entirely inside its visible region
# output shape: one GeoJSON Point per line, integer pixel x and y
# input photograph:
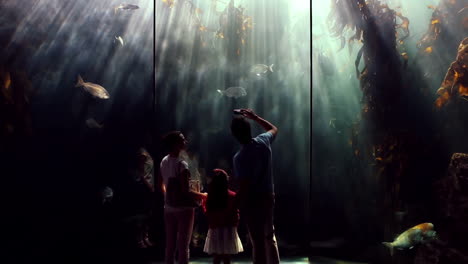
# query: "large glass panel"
{"type": "Point", "coordinates": [389, 94]}
{"type": "Point", "coordinates": [216, 56]}
{"type": "Point", "coordinates": [75, 100]}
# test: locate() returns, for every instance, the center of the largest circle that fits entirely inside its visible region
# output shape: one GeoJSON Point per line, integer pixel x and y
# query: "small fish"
{"type": "Point", "coordinates": [235, 92]}
{"type": "Point", "coordinates": [94, 89]}
{"type": "Point", "coordinates": [120, 40]}
{"type": "Point", "coordinates": [413, 236]}
{"type": "Point", "coordinates": [332, 123]}
{"type": "Point", "coordinates": [261, 69]}
{"type": "Point", "coordinates": [462, 10]}
{"type": "Point", "coordinates": [125, 7]}
{"type": "Point", "coordinates": [92, 123]}
{"type": "Point", "coordinates": [106, 195]}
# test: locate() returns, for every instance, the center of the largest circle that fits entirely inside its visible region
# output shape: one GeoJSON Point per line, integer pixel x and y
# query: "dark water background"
{"type": "Point", "coordinates": [54, 166]}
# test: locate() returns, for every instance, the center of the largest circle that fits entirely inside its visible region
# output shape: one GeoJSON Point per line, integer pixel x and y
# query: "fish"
{"type": "Point", "coordinates": [261, 69]}
{"type": "Point", "coordinates": [120, 40]}
{"type": "Point", "coordinates": [428, 50]}
{"type": "Point", "coordinates": [412, 237]}
{"type": "Point", "coordinates": [462, 10]}
{"type": "Point", "coordinates": [95, 90]}
{"type": "Point", "coordinates": [92, 123]}
{"type": "Point", "coordinates": [107, 194]}
{"type": "Point", "coordinates": [234, 92]}
{"type": "Point", "coordinates": [125, 7]}
{"type": "Point", "coordinates": [332, 123]}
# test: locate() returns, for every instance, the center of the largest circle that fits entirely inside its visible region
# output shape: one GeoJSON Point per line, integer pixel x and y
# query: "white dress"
{"type": "Point", "coordinates": [223, 241]}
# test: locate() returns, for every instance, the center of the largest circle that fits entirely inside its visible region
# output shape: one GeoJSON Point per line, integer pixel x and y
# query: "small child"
{"type": "Point", "coordinates": [222, 239]}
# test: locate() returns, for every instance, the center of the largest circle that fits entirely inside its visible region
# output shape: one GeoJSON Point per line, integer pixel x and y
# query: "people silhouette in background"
{"type": "Point", "coordinates": [256, 196]}
{"type": "Point", "coordinates": [145, 176]}
{"type": "Point", "coordinates": [222, 214]}
{"type": "Point", "coordinates": [180, 201]}
{"type": "Point", "coordinates": [135, 198]}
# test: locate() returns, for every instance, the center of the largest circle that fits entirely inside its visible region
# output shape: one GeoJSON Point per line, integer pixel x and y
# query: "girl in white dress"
{"type": "Point", "coordinates": [222, 239]}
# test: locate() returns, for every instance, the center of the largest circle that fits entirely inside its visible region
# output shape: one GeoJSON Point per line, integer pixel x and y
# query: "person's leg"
{"type": "Point", "coordinates": [271, 247]}
{"type": "Point", "coordinates": [146, 238]}
{"type": "Point", "coordinates": [145, 229]}
{"type": "Point", "coordinates": [171, 236]}
{"type": "Point", "coordinates": [226, 259]}
{"type": "Point", "coordinates": [185, 227]}
{"type": "Point", "coordinates": [255, 226]}
{"type": "Point", "coordinates": [139, 220]}
{"type": "Point", "coordinates": [216, 259]}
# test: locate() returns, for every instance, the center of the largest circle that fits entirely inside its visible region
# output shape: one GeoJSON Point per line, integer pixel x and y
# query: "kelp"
{"type": "Point", "coordinates": [378, 145]}
{"type": "Point", "coordinates": [455, 82]}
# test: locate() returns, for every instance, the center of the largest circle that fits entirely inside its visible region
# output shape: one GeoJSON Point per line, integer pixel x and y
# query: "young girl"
{"type": "Point", "coordinates": [222, 239]}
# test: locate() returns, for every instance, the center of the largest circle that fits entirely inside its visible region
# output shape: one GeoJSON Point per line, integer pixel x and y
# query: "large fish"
{"type": "Point", "coordinates": [125, 7]}
{"type": "Point", "coordinates": [412, 237]}
{"type": "Point", "coordinates": [261, 69]}
{"type": "Point", "coordinates": [235, 92]}
{"type": "Point", "coordinates": [95, 90]}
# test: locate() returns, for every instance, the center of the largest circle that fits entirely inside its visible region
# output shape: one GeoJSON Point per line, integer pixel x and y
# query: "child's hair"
{"type": "Point", "coordinates": [217, 191]}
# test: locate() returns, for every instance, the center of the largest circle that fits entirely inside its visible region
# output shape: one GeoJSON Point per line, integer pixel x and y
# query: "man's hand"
{"type": "Point", "coordinates": [249, 113]}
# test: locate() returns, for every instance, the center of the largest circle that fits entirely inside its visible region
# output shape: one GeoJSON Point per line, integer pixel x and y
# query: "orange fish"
{"type": "Point", "coordinates": [412, 237]}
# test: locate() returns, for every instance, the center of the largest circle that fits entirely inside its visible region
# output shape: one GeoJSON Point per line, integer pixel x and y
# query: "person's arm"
{"type": "Point", "coordinates": [269, 127]}
{"type": "Point", "coordinates": [148, 185]}
{"type": "Point", "coordinates": [159, 182]}
{"type": "Point", "coordinates": [185, 174]}
{"type": "Point", "coordinates": [142, 174]}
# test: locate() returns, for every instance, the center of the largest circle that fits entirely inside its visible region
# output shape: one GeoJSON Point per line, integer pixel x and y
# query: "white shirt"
{"type": "Point", "coordinates": [169, 166]}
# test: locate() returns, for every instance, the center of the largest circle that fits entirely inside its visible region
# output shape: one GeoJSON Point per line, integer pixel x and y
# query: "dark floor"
{"type": "Point", "coordinates": [304, 260]}
{"type": "Point", "coordinates": [244, 260]}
